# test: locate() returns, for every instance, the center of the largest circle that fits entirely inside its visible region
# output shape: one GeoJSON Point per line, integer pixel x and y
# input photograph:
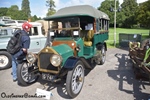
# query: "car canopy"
{"type": "Point", "coordinates": [80, 10]}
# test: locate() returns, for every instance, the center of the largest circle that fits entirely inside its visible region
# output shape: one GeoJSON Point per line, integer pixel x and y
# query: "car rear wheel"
{"type": "Point", "coordinates": [5, 60]}
{"type": "Point", "coordinates": [24, 77]}
{"type": "Point", "coordinates": [75, 80]}
{"type": "Point", "coordinates": [103, 55]}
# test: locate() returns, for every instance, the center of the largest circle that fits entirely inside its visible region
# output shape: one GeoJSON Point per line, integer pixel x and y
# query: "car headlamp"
{"type": "Point", "coordinates": [56, 60]}
{"type": "Point", "coordinates": [31, 58]}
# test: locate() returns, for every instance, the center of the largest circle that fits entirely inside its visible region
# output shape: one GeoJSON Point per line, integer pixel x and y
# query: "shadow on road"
{"type": "Point", "coordinates": [124, 74]}
{"type": "Point", "coordinates": [60, 86]}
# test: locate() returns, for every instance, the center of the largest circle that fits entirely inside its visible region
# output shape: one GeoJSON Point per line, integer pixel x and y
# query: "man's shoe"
{"type": "Point", "coordinates": [14, 80]}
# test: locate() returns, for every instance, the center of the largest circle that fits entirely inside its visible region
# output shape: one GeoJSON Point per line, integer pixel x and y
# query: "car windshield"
{"type": "Point", "coordinates": [65, 27]}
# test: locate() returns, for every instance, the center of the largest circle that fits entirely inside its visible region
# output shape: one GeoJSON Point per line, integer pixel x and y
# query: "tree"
{"type": "Point", "coordinates": [129, 8]}
{"type": "Point", "coordinates": [3, 11]}
{"type": "Point", "coordinates": [34, 18]}
{"type": "Point", "coordinates": [143, 14]}
{"type": "Point", "coordinates": [26, 8]}
{"type": "Point", "coordinates": [13, 11]}
{"type": "Point", "coordinates": [108, 6]}
{"type": "Point", "coordinates": [51, 5]}
{"type": "Point", "coordinates": [21, 15]}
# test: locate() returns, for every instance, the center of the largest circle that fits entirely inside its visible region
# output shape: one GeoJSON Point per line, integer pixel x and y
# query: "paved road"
{"type": "Point", "coordinates": [114, 80]}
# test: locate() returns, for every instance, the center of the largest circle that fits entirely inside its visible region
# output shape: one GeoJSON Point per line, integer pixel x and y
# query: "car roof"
{"type": "Point", "coordinates": [79, 10]}
{"type": "Point", "coordinates": [2, 24]}
{"type": "Point", "coordinates": [19, 25]}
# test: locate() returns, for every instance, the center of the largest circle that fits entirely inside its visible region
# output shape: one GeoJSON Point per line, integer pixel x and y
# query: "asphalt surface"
{"type": "Point", "coordinates": [115, 80]}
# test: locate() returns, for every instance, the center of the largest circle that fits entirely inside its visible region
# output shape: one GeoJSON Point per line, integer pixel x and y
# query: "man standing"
{"type": "Point", "coordinates": [25, 44]}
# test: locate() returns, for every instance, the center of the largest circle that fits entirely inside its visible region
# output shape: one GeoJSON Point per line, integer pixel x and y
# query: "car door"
{"type": "Point", "coordinates": [37, 41]}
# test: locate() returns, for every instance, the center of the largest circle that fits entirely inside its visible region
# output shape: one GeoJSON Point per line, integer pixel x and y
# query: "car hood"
{"type": "Point", "coordinates": [63, 50]}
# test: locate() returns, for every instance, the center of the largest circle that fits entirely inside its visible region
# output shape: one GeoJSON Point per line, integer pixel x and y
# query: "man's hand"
{"type": "Point", "coordinates": [24, 50]}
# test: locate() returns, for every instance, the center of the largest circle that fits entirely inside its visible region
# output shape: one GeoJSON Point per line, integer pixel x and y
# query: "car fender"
{"type": "Point", "coordinates": [70, 62]}
{"type": "Point", "coordinates": [99, 45]}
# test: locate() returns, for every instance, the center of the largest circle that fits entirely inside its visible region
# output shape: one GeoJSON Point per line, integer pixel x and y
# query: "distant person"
{"type": "Point", "coordinates": [25, 44]}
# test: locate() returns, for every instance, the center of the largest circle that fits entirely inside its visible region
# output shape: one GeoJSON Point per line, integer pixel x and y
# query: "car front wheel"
{"type": "Point", "coordinates": [75, 80]}
{"type": "Point", "coordinates": [24, 76]}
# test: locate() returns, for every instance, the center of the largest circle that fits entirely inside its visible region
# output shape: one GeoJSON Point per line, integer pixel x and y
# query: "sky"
{"type": "Point", "coordinates": [38, 7]}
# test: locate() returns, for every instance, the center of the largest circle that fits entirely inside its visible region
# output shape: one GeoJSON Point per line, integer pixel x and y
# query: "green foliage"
{"type": "Point", "coordinates": [125, 15]}
{"type": "Point", "coordinates": [17, 14]}
{"type": "Point", "coordinates": [50, 12]}
{"type": "Point", "coordinates": [13, 11]}
{"type": "Point", "coordinates": [35, 18]}
{"type": "Point", "coordinates": [26, 8]}
{"type": "Point", "coordinates": [128, 8]}
{"type": "Point", "coordinates": [3, 11]}
{"type": "Point", "coordinates": [21, 15]}
{"type": "Point", "coordinates": [143, 14]}
{"type": "Point", "coordinates": [108, 6]}
{"type": "Point", "coordinates": [51, 5]}
{"type": "Point", "coordinates": [105, 7]}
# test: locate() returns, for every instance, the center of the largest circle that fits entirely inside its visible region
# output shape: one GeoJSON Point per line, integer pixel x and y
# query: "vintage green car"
{"type": "Point", "coordinates": [75, 41]}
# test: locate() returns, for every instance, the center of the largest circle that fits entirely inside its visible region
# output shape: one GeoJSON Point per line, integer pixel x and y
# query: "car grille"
{"type": "Point", "coordinates": [45, 64]}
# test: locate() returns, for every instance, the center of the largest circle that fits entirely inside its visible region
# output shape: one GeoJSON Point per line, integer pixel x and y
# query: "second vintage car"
{"type": "Point", "coordinates": [76, 40]}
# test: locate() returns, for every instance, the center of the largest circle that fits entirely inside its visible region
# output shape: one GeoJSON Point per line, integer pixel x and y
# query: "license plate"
{"type": "Point", "coordinates": [48, 77]}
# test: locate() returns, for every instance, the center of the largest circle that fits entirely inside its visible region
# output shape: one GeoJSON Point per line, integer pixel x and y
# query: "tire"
{"type": "Point", "coordinates": [103, 55]}
{"type": "Point", "coordinates": [5, 60]}
{"type": "Point", "coordinates": [75, 80]}
{"type": "Point", "coordinates": [25, 78]}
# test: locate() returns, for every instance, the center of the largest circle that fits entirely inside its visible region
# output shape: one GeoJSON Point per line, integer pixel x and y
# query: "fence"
{"type": "Point", "coordinates": [124, 39]}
